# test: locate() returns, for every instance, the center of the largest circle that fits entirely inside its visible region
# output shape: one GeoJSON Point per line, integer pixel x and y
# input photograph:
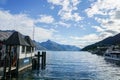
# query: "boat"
{"type": "Point", "coordinates": [112, 53]}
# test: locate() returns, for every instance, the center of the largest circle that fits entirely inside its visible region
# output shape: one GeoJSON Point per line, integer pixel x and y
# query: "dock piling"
{"type": "Point", "coordinates": [40, 61]}
{"type": "Point", "coordinates": [43, 62]}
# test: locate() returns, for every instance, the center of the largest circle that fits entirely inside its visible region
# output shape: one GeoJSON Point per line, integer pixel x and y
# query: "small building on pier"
{"type": "Point", "coordinates": [18, 51]}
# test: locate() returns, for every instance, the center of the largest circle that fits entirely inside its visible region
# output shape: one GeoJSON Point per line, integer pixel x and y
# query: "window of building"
{"type": "Point", "coordinates": [23, 48]}
{"type": "Point", "coordinates": [32, 49]}
{"type": "Point", "coordinates": [28, 50]}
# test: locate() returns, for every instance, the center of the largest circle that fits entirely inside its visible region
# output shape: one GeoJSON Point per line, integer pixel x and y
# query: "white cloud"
{"type": "Point", "coordinates": [76, 17]}
{"type": "Point", "coordinates": [103, 7]}
{"type": "Point", "coordinates": [67, 10]}
{"type": "Point", "coordinates": [85, 40]}
{"type": "Point", "coordinates": [107, 14]}
{"type": "Point", "coordinates": [89, 37]}
{"type": "Point", "coordinates": [111, 25]}
{"type": "Point", "coordinates": [43, 34]}
{"type": "Point", "coordinates": [23, 24]}
{"type": "Point", "coordinates": [105, 35]}
{"type": "Point", "coordinates": [82, 41]}
{"type": "Point", "coordinates": [99, 29]}
{"type": "Point", "coordinates": [46, 19]}
{"type": "Point", "coordinates": [63, 24]}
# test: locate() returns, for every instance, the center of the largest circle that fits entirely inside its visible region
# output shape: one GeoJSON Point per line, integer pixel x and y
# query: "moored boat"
{"type": "Point", "coordinates": [112, 53]}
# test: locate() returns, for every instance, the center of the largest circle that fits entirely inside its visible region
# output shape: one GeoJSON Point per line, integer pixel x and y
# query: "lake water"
{"type": "Point", "coordinates": [66, 65]}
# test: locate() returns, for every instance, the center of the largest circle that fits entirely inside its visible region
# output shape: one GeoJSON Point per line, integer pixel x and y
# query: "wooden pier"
{"type": "Point", "coordinates": [38, 63]}
{"type": "Point", "coordinates": [17, 53]}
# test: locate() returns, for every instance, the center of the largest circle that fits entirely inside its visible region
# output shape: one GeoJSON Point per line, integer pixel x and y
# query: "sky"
{"type": "Point", "coordinates": [73, 22]}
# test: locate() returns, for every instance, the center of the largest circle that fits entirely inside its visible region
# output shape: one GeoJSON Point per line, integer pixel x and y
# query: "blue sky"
{"type": "Point", "coordinates": [74, 22]}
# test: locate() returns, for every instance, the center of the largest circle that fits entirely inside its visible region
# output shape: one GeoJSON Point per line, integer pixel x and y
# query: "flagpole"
{"type": "Point", "coordinates": [33, 32]}
{"type": "Point", "coordinates": [33, 40]}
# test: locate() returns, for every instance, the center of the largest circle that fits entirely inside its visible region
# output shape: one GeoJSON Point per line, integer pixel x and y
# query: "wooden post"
{"type": "Point", "coordinates": [5, 63]}
{"type": "Point", "coordinates": [17, 65]}
{"type": "Point", "coordinates": [44, 59]}
{"type": "Point", "coordinates": [34, 64]}
{"type": "Point", "coordinates": [38, 60]}
{"type": "Point", "coordinates": [43, 62]}
{"type": "Point", "coordinates": [4, 76]}
{"type": "Point", "coordinates": [10, 62]}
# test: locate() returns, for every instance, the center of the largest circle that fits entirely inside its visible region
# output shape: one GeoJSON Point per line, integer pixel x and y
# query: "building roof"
{"type": "Point", "coordinates": [16, 39]}
{"type": "Point", "coordinates": [4, 35]}
{"type": "Point", "coordinates": [29, 41]}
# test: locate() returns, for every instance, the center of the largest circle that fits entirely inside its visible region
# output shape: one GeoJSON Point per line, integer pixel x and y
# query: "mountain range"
{"type": "Point", "coordinates": [53, 46]}
{"type": "Point", "coordinates": [113, 40]}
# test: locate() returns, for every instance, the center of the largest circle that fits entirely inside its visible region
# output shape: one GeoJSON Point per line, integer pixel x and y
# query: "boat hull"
{"type": "Point", "coordinates": [112, 60]}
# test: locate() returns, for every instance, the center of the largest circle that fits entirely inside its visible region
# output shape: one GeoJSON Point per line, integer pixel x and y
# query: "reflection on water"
{"type": "Point", "coordinates": [74, 66]}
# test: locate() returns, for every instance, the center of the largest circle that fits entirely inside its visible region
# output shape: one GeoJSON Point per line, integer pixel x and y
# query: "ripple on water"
{"type": "Point", "coordinates": [74, 66]}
